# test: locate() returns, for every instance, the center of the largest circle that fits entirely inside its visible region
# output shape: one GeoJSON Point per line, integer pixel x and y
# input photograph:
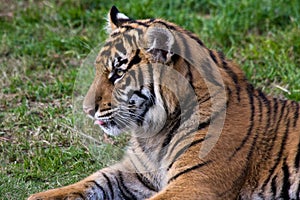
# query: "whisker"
{"type": "Point", "coordinates": [125, 121]}
{"type": "Point", "coordinates": [126, 114]}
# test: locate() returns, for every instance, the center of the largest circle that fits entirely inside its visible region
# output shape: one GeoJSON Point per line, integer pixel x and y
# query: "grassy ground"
{"type": "Point", "coordinates": [43, 43]}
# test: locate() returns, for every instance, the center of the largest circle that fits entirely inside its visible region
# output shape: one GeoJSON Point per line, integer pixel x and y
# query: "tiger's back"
{"type": "Point", "coordinates": [268, 130]}
{"type": "Point", "coordinates": [199, 130]}
{"type": "Point", "coordinates": [270, 142]}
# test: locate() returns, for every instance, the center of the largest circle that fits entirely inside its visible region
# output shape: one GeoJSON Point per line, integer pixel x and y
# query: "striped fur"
{"type": "Point", "coordinates": [169, 110]}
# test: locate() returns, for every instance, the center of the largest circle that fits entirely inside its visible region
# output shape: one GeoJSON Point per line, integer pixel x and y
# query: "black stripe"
{"type": "Point", "coordinates": [98, 186]}
{"type": "Point", "coordinates": [200, 126]}
{"type": "Point", "coordinates": [111, 190]}
{"type": "Point", "coordinates": [194, 38]}
{"type": "Point", "coordinates": [141, 23]}
{"type": "Point", "coordinates": [286, 108]}
{"type": "Point", "coordinates": [148, 103]}
{"type": "Point", "coordinates": [106, 109]}
{"type": "Point", "coordinates": [151, 84]}
{"type": "Point", "coordinates": [127, 27]}
{"type": "Point", "coordinates": [189, 170]}
{"type": "Point", "coordinates": [279, 155]}
{"type": "Point", "coordinates": [213, 56]}
{"type": "Point", "coordinates": [125, 192]}
{"type": "Point", "coordinates": [282, 110]}
{"type": "Point", "coordinates": [152, 93]}
{"type": "Point", "coordinates": [150, 21]}
{"type": "Point", "coordinates": [146, 183]}
{"type": "Point", "coordinates": [122, 193]}
{"type": "Point", "coordinates": [75, 193]}
{"type": "Point", "coordinates": [229, 92]}
{"type": "Point", "coordinates": [174, 126]}
{"type": "Point", "coordinates": [114, 77]}
{"type": "Point", "coordinates": [232, 75]}
{"type": "Point", "coordinates": [286, 182]}
{"type": "Point", "coordinates": [140, 94]}
{"type": "Point", "coordinates": [122, 61]}
{"type": "Point", "coordinates": [115, 34]}
{"type": "Point", "coordinates": [170, 134]}
{"type": "Point", "coordinates": [297, 158]}
{"type": "Point", "coordinates": [131, 195]}
{"type": "Point", "coordinates": [163, 99]}
{"type": "Point", "coordinates": [296, 117]}
{"type": "Point", "coordinates": [204, 125]}
{"type": "Point", "coordinates": [260, 104]}
{"type": "Point", "coordinates": [274, 131]}
{"type": "Point", "coordinates": [135, 60]}
{"type": "Point", "coordinates": [190, 77]}
{"type": "Point", "coordinates": [204, 98]}
{"type": "Point", "coordinates": [250, 128]}
{"type": "Point", "coordinates": [182, 150]}
{"type": "Point", "coordinates": [208, 73]}
{"type": "Point", "coordinates": [274, 187]}
{"type": "Point", "coordinates": [253, 145]}
{"type": "Point", "coordinates": [275, 110]}
{"type": "Point", "coordinates": [267, 104]}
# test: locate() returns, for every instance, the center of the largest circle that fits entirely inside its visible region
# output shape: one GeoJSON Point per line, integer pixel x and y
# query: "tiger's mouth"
{"type": "Point", "coordinates": [109, 126]}
{"type": "Point", "coordinates": [105, 122]}
{"type": "Point", "coordinates": [100, 122]}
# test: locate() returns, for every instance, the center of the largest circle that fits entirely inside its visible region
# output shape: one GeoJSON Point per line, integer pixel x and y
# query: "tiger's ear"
{"type": "Point", "coordinates": [115, 19]}
{"type": "Point", "coordinates": [159, 42]}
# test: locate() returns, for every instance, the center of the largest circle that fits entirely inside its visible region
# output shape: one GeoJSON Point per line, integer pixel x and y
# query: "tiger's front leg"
{"type": "Point", "coordinates": [186, 190]}
{"type": "Point", "coordinates": [116, 182]}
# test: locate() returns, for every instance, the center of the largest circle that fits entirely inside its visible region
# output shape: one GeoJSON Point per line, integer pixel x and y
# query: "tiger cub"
{"type": "Point", "coordinates": [199, 130]}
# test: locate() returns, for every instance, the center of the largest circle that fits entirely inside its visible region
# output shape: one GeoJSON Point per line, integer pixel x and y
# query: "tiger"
{"type": "Point", "coordinates": [198, 128]}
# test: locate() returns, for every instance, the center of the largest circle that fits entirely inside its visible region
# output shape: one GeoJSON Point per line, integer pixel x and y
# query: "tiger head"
{"type": "Point", "coordinates": [128, 93]}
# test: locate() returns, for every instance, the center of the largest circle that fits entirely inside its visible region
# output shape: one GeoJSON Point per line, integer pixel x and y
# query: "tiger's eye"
{"type": "Point", "coordinates": [120, 72]}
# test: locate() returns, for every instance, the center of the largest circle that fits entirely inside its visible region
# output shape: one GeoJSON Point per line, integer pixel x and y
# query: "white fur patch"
{"type": "Point", "coordinates": [122, 16]}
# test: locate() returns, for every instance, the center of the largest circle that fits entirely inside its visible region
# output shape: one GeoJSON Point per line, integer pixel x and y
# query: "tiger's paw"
{"type": "Point", "coordinates": [45, 196]}
{"type": "Point", "coordinates": [58, 195]}
{"type": "Point", "coordinates": [74, 192]}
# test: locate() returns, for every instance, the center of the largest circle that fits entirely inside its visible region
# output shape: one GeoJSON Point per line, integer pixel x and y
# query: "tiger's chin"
{"type": "Point", "coordinates": [109, 128]}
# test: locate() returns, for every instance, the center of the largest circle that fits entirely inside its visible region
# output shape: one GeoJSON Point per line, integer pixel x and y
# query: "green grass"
{"type": "Point", "coordinates": [43, 43]}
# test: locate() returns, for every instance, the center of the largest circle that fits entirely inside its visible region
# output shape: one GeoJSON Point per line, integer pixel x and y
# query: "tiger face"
{"type": "Point", "coordinates": [123, 96]}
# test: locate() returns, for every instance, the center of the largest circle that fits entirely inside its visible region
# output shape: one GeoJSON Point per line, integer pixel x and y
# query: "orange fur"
{"type": "Point", "coordinates": [256, 155]}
